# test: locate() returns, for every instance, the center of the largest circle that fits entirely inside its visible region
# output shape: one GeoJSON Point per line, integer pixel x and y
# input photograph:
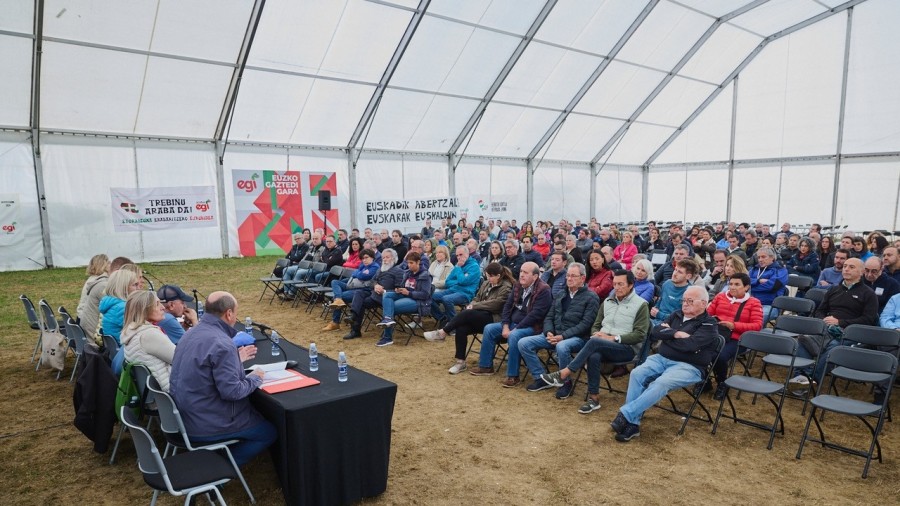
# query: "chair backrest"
{"type": "Point", "coordinates": [861, 359]}
{"type": "Point", "coordinates": [76, 334]}
{"type": "Point", "coordinates": [319, 267]}
{"type": "Point", "coordinates": [800, 325]}
{"type": "Point", "coordinates": [282, 262]}
{"type": "Point", "coordinates": [801, 282]}
{"type": "Point", "coordinates": [169, 417]}
{"type": "Point", "coordinates": [141, 374]}
{"type": "Point", "coordinates": [816, 295]}
{"type": "Point", "coordinates": [804, 307]}
{"type": "Point", "coordinates": [149, 459]}
{"type": "Point", "coordinates": [766, 342]}
{"type": "Point", "coordinates": [64, 314]}
{"type": "Point", "coordinates": [872, 336]}
{"type": "Point", "coordinates": [348, 272]}
{"type": "Point", "coordinates": [30, 312]}
{"type": "Point", "coordinates": [112, 347]}
{"type": "Point", "coordinates": [50, 323]}
{"type": "Point", "coordinates": [304, 264]}
{"type": "Point", "coordinates": [336, 271]}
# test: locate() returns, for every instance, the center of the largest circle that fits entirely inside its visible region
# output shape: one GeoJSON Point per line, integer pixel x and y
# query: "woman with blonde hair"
{"type": "Point", "coordinates": [112, 306]}
{"type": "Point", "coordinates": [441, 267]}
{"type": "Point", "coordinates": [734, 264]}
{"type": "Point", "coordinates": [88, 311]}
{"type": "Point", "coordinates": [142, 340]}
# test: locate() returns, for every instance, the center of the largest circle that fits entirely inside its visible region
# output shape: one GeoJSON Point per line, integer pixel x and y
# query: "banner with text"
{"type": "Point", "coordinates": [162, 208]}
{"type": "Point", "coordinates": [271, 205]}
{"type": "Point", "coordinates": [494, 207]}
{"type": "Point", "coordinates": [10, 230]}
{"type": "Point", "coordinates": [409, 213]}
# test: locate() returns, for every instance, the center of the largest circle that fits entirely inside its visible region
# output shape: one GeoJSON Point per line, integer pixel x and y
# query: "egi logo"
{"type": "Point", "coordinates": [248, 185]}
{"type": "Point", "coordinates": [9, 228]}
{"type": "Point", "coordinates": [204, 206]}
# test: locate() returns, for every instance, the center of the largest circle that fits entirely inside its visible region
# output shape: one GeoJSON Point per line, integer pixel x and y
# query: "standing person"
{"type": "Point", "coordinates": [173, 300]}
{"type": "Point", "coordinates": [737, 312]}
{"type": "Point", "coordinates": [87, 311]}
{"type": "Point", "coordinates": [208, 383]}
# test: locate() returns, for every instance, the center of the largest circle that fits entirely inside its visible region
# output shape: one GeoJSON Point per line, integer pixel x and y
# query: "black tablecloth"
{"type": "Point", "coordinates": [334, 439]}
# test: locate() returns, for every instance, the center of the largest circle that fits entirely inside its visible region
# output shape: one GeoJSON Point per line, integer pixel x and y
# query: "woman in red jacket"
{"type": "Point", "coordinates": [351, 256]}
{"type": "Point", "coordinates": [599, 275]}
{"type": "Point", "coordinates": [737, 311]}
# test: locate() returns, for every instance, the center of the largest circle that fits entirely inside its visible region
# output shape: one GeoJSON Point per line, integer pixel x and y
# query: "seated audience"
{"type": "Point", "coordinates": [665, 271]}
{"type": "Point", "coordinates": [643, 276]}
{"type": "Point", "coordinates": [883, 285]}
{"type": "Point", "coordinates": [767, 280]}
{"type": "Point", "coordinates": [599, 276]}
{"type": "Point", "coordinates": [625, 251]}
{"type": "Point", "coordinates": [88, 310]}
{"type": "Point", "coordinates": [826, 250]}
{"type": "Point", "coordinates": [891, 259]}
{"type": "Point", "coordinates": [733, 265]}
{"type": "Point", "coordinates": [440, 268]}
{"type": "Point", "coordinates": [737, 312]}
{"type": "Point", "coordinates": [861, 251]}
{"type": "Point", "coordinates": [351, 254]}
{"type": "Point", "coordinates": [555, 276]}
{"type": "Point", "coordinates": [177, 316]}
{"type": "Point", "coordinates": [143, 341]}
{"type": "Point", "coordinates": [529, 254]}
{"type": "Point", "coordinates": [806, 261]}
{"type": "Point", "coordinates": [542, 246]}
{"type": "Point", "coordinates": [112, 305]}
{"type": "Point", "coordinates": [672, 291]}
{"type": "Point", "coordinates": [459, 288]}
{"type": "Point", "coordinates": [495, 254]}
{"type": "Point", "coordinates": [386, 279]}
{"type": "Point", "coordinates": [362, 278]}
{"type": "Point", "coordinates": [413, 295]}
{"type": "Point", "coordinates": [653, 242]}
{"type": "Point", "coordinates": [512, 260]}
{"type": "Point", "coordinates": [832, 275]}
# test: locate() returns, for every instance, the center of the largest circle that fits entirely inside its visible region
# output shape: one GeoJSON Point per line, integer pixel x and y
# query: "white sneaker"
{"type": "Point", "coordinates": [458, 367]}
{"type": "Point", "coordinates": [436, 335]}
{"type": "Point", "coordinates": [800, 380]}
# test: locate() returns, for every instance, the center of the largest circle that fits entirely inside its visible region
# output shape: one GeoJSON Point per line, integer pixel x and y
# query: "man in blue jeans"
{"type": "Point", "coordinates": [566, 328]}
{"type": "Point", "coordinates": [460, 287]}
{"type": "Point", "coordinates": [688, 341]}
{"type": "Point", "coordinates": [523, 315]}
{"type": "Point", "coordinates": [413, 295]}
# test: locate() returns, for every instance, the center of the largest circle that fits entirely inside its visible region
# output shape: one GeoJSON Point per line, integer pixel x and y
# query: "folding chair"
{"type": "Point", "coordinates": [304, 266]}
{"type": "Point", "coordinates": [328, 296]}
{"type": "Point", "coordinates": [188, 474]}
{"type": "Point", "coordinates": [797, 305]}
{"type": "Point", "coordinates": [874, 338]}
{"type": "Point", "coordinates": [272, 282]}
{"type": "Point", "coordinates": [33, 321]}
{"type": "Point", "coordinates": [761, 342]}
{"type": "Point", "coordinates": [817, 295]}
{"type": "Point", "coordinates": [695, 392]}
{"type": "Point", "coordinates": [501, 346]}
{"type": "Point", "coordinates": [856, 364]}
{"type": "Point", "coordinates": [801, 283]}
{"type": "Point", "coordinates": [139, 373]}
{"type": "Point", "coordinates": [76, 342]}
{"type": "Point", "coordinates": [110, 345]}
{"type": "Point", "coordinates": [48, 323]}
{"type": "Point", "coordinates": [303, 287]}
{"type": "Point", "coordinates": [176, 435]}
{"type": "Point", "coordinates": [318, 292]}
{"type": "Point", "coordinates": [792, 326]}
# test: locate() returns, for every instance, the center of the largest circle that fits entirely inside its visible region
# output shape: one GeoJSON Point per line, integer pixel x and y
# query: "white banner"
{"type": "Point", "coordinates": [408, 212]}
{"type": "Point", "coordinates": [494, 207]}
{"type": "Point", "coordinates": [142, 209]}
{"type": "Point", "coordinates": [10, 229]}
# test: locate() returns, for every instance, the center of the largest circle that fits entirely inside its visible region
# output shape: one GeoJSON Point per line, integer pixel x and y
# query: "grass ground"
{"type": "Point", "coordinates": [456, 439]}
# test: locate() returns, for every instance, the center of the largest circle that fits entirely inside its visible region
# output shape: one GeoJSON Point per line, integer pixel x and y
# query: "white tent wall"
{"type": "Point", "coordinates": [619, 193]}
{"type": "Point", "coordinates": [868, 189]}
{"type": "Point", "coordinates": [78, 173]}
{"type": "Point", "coordinates": [562, 191]}
{"type": "Point", "coordinates": [24, 250]}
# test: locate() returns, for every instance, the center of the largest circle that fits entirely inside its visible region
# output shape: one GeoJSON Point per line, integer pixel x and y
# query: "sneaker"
{"type": "Point", "coordinates": [386, 322]}
{"type": "Point", "coordinates": [628, 433]}
{"type": "Point", "coordinates": [800, 380]}
{"type": "Point", "coordinates": [337, 304]}
{"type": "Point", "coordinates": [384, 341]}
{"type": "Point", "coordinates": [511, 382]}
{"type": "Point", "coordinates": [482, 371]}
{"type": "Point", "coordinates": [331, 326]}
{"type": "Point", "coordinates": [565, 391]}
{"type": "Point", "coordinates": [552, 379]}
{"type": "Point", "coordinates": [458, 367]}
{"type": "Point", "coordinates": [619, 422]}
{"type": "Point", "coordinates": [721, 390]}
{"type": "Point", "coordinates": [353, 334]}
{"type": "Point", "coordinates": [589, 406]}
{"type": "Point", "coordinates": [435, 335]}
{"type": "Point", "coordinates": [537, 386]}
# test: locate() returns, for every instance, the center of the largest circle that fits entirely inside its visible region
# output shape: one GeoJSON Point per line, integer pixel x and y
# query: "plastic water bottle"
{"type": "Point", "coordinates": [342, 367]}
{"type": "Point", "coordinates": [313, 358]}
{"type": "Point", "coordinates": [276, 348]}
{"type": "Point", "coordinates": [200, 310]}
{"type": "Point", "coordinates": [248, 325]}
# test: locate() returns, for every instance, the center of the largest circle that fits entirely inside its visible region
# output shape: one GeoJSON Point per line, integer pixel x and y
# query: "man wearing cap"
{"type": "Point", "coordinates": [178, 317]}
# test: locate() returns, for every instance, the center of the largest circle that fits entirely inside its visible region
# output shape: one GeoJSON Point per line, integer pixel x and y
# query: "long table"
{"type": "Point", "coordinates": [334, 439]}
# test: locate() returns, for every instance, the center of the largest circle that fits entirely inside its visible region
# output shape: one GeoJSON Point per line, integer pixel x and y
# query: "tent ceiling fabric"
{"type": "Point", "coordinates": [164, 68]}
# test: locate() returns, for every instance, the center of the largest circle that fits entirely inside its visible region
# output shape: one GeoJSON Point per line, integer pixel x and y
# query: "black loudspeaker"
{"type": "Point", "coordinates": [324, 200]}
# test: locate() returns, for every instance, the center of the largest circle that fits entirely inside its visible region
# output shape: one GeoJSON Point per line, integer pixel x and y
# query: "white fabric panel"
{"type": "Point", "coordinates": [453, 58]}
{"type": "Point", "coordinates": [331, 112]}
{"type": "Point", "coordinates": [806, 193]}
{"type": "Point", "coordinates": [473, 177]}
{"type": "Point", "coordinates": [15, 80]}
{"type": "Point", "coordinates": [707, 138]}
{"type": "Point", "coordinates": [548, 193]}
{"type": "Point", "coordinates": [720, 54]}
{"type": "Point", "coordinates": [666, 194]}
{"type": "Point", "coordinates": [508, 15]}
{"type": "Point", "coordinates": [511, 178]}
{"type": "Point", "coordinates": [209, 29]}
{"type": "Point", "coordinates": [327, 38]}
{"type": "Point", "coordinates": [182, 99]}
{"type": "Point", "coordinates": [715, 8]}
{"type": "Point", "coordinates": [789, 97]}
{"type": "Point", "coordinates": [619, 193]}
{"type": "Point", "coordinates": [678, 100]}
{"type": "Point", "coordinates": [246, 158]}
{"type": "Point", "coordinates": [576, 185]}
{"type": "Point", "coordinates": [78, 174]}
{"type": "Point", "coordinates": [638, 143]}
{"type": "Point", "coordinates": [581, 137]}
{"type": "Point", "coordinates": [777, 15]}
{"type": "Point", "coordinates": [707, 193]}
{"type": "Point", "coordinates": [665, 36]}
{"type": "Point", "coordinates": [547, 76]}
{"type": "Point", "coordinates": [619, 90]}
{"type": "Point", "coordinates": [590, 26]}
{"type": "Point", "coordinates": [377, 177]}
{"type": "Point", "coordinates": [755, 193]}
{"type": "Point", "coordinates": [18, 16]}
{"type": "Point", "coordinates": [868, 193]}
{"type": "Point", "coordinates": [873, 104]}
{"type": "Point", "coordinates": [425, 177]}
{"type": "Point", "coordinates": [90, 89]}
{"type": "Point", "coordinates": [109, 22]}
{"type": "Point", "coordinates": [414, 121]}
{"type": "Point", "coordinates": [17, 177]}
{"type": "Point", "coordinates": [507, 130]}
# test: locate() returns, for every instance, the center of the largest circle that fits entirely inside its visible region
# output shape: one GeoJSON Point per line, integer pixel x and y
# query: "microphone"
{"type": "Point", "coordinates": [262, 326]}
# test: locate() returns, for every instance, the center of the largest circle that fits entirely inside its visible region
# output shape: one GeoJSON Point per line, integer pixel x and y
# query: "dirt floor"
{"type": "Point", "coordinates": [456, 439]}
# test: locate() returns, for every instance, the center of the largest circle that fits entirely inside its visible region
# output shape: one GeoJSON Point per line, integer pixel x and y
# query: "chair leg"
{"type": "Point", "coordinates": [75, 367]}
{"type": "Point", "coordinates": [112, 458]}
{"type": "Point", "coordinates": [65, 354]}
{"type": "Point", "coordinates": [153, 500]}
{"type": "Point", "coordinates": [240, 477]}
{"type": "Point", "coordinates": [37, 347]}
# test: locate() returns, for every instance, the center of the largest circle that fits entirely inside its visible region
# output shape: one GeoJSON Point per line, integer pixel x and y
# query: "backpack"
{"type": "Point", "coordinates": [127, 392]}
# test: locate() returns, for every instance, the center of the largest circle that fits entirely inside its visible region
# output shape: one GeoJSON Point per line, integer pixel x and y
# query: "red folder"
{"type": "Point", "coordinates": [283, 385]}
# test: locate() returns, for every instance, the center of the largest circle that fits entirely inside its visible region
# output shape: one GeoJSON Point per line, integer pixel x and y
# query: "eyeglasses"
{"type": "Point", "coordinates": [690, 301]}
{"type": "Point", "coordinates": [873, 271]}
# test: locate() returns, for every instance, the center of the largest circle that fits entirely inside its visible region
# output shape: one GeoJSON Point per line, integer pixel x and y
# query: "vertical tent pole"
{"type": "Point", "coordinates": [843, 110]}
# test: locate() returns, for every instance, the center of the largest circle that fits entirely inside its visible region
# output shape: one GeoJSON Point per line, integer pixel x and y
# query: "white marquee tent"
{"type": "Point", "coordinates": [764, 110]}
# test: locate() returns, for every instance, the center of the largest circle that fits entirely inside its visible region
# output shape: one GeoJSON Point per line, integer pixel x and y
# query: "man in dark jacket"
{"type": "Point", "coordinates": [523, 315]}
{"type": "Point", "coordinates": [566, 328]}
{"type": "Point", "coordinates": [688, 341]}
{"type": "Point", "coordinates": [512, 260]}
{"type": "Point", "coordinates": [413, 296]}
{"type": "Point", "coordinates": [332, 257]}
{"type": "Point", "coordinates": [389, 276]}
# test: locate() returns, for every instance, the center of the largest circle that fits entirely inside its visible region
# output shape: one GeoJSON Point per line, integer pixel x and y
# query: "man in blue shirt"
{"type": "Point", "coordinates": [179, 317]}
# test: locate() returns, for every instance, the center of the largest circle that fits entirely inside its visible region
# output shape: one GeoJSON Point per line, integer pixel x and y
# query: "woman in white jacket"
{"type": "Point", "coordinates": [441, 267]}
{"type": "Point", "coordinates": [143, 341]}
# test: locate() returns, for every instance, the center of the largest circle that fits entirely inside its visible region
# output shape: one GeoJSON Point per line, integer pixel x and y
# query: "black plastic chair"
{"type": "Point", "coordinates": [139, 374]}
{"type": "Point", "coordinates": [761, 342]}
{"type": "Point", "coordinates": [817, 295]}
{"type": "Point", "coordinates": [271, 283]}
{"type": "Point", "coordinates": [856, 364]}
{"type": "Point", "coordinates": [695, 392]}
{"type": "Point", "coordinates": [33, 321]}
{"type": "Point", "coordinates": [797, 305]}
{"type": "Point", "coordinates": [187, 474]}
{"type": "Point", "coordinates": [791, 326]}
